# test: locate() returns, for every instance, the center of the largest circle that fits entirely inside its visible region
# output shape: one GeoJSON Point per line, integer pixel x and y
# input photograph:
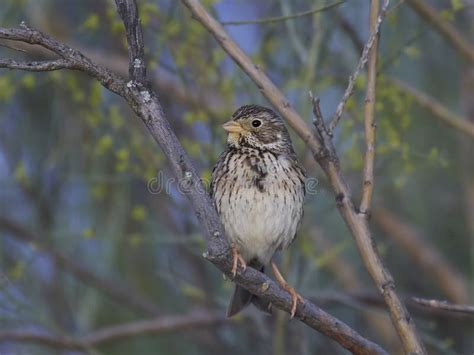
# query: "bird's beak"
{"type": "Point", "coordinates": [232, 127]}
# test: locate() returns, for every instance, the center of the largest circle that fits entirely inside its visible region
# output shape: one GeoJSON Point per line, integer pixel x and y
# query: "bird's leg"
{"type": "Point", "coordinates": [236, 258]}
{"type": "Point", "coordinates": [295, 297]}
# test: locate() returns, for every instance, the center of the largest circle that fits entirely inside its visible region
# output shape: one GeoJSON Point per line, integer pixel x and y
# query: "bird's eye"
{"type": "Point", "coordinates": [256, 123]}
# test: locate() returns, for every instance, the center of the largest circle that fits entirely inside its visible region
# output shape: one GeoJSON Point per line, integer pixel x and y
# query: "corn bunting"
{"type": "Point", "coordinates": [258, 190]}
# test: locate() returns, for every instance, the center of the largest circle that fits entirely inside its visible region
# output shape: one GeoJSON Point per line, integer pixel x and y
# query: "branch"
{"type": "Point", "coordinates": [362, 61]}
{"type": "Point", "coordinates": [262, 286]}
{"type": "Point", "coordinates": [445, 305]}
{"type": "Point", "coordinates": [283, 18]}
{"type": "Point", "coordinates": [47, 65]}
{"type": "Point", "coordinates": [145, 104]}
{"type": "Point", "coordinates": [75, 59]}
{"type": "Point", "coordinates": [128, 11]}
{"type": "Point", "coordinates": [359, 299]}
{"type": "Point", "coordinates": [161, 79]}
{"type": "Point", "coordinates": [324, 154]}
{"type": "Point", "coordinates": [116, 290]}
{"type": "Point", "coordinates": [444, 28]}
{"type": "Point", "coordinates": [369, 121]}
{"type": "Point", "coordinates": [160, 325]}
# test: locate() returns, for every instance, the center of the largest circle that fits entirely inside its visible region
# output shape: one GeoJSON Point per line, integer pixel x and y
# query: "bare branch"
{"type": "Point", "coordinates": [283, 18]}
{"type": "Point", "coordinates": [360, 298]}
{"type": "Point", "coordinates": [445, 28]}
{"type": "Point", "coordinates": [362, 61]}
{"type": "Point", "coordinates": [369, 121]}
{"type": "Point", "coordinates": [48, 65]}
{"type": "Point", "coordinates": [78, 60]}
{"type": "Point", "coordinates": [260, 285]}
{"type": "Point", "coordinates": [445, 305]}
{"type": "Point", "coordinates": [318, 118]}
{"type": "Point", "coordinates": [128, 11]}
{"type": "Point", "coordinates": [324, 153]}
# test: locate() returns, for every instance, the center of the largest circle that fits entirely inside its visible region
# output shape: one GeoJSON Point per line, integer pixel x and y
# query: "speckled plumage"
{"type": "Point", "coordinates": [258, 186]}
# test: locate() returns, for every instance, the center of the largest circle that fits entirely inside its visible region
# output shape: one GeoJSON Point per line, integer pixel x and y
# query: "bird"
{"type": "Point", "coordinates": [258, 188]}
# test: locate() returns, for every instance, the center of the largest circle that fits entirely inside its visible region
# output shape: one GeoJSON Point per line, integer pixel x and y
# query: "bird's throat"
{"type": "Point", "coordinates": [233, 138]}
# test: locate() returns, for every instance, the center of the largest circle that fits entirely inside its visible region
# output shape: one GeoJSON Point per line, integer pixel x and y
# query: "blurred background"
{"type": "Point", "coordinates": [96, 238]}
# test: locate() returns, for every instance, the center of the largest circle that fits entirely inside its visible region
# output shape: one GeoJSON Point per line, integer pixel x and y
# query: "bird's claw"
{"type": "Point", "coordinates": [295, 297]}
{"type": "Point", "coordinates": [237, 258]}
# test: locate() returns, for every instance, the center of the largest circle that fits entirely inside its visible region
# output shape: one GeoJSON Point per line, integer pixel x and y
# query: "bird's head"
{"type": "Point", "coordinates": [257, 127]}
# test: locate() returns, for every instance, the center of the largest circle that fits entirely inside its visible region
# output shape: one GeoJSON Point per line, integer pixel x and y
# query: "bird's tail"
{"type": "Point", "coordinates": [242, 298]}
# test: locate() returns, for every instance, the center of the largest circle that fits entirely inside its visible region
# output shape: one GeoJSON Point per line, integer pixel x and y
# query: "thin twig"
{"type": "Point", "coordinates": [360, 299]}
{"type": "Point", "coordinates": [318, 117]}
{"type": "Point", "coordinates": [445, 305]}
{"type": "Point", "coordinates": [369, 120]}
{"type": "Point", "coordinates": [322, 131]}
{"type": "Point", "coordinates": [362, 61]}
{"type": "Point", "coordinates": [146, 105]}
{"type": "Point", "coordinates": [324, 154]}
{"type": "Point", "coordinates": [283, 18]}
{"type": "Point", "coordinates": [76, 58]}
